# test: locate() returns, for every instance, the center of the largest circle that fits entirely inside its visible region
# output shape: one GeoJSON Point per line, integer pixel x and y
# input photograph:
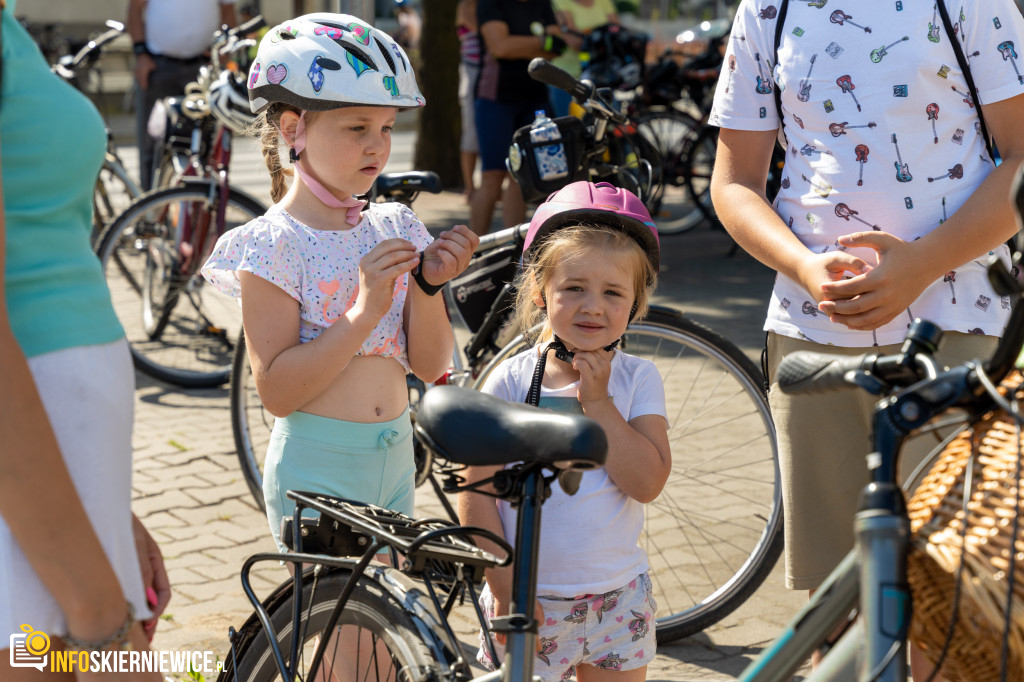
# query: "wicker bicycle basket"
{"type": "Point", "coordinates": [939, 532]}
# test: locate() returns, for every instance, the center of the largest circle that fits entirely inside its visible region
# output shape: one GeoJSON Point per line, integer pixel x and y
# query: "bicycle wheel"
{"type": "Point", "coordinates": [391, 648]}
{"type": "Point", "coordinates": [251, 424]}
{"type": "Point", "coordinates": [113, 192]}
{"type": "Point", "coordinates": [714, 533]}
{"type": "Point", "coordinates": [151, 254]}
{"type": "Point", "coordinates": [699, 163]}
{"type": "Point", "coordinates": [670, 132]}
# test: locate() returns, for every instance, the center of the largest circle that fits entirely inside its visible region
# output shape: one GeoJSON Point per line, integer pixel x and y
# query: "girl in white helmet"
{"type": "Point", "coordinates": [338, 295]}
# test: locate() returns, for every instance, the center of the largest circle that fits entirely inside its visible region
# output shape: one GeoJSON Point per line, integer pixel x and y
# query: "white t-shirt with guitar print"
{"type": "Point", "coordinates": [881, 133]}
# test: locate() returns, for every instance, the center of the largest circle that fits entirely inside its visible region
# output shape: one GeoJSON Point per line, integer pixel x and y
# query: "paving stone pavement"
{"type": "Point", "coordinates": [189, 491]}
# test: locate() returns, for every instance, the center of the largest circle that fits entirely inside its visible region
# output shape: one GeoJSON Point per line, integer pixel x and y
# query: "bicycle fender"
{"type": "Point", "coordinates": [430, 623]}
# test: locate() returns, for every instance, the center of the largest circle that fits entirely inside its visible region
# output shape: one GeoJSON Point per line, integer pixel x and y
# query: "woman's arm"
{"type": "Point", "coordinates": [501, 45]}
{"type": "Point", "coordinates": [56, 536]}
{"type": "Point", "coordinates": [289, 374]}
{"type": "Point", "coordinates": [905, 269]}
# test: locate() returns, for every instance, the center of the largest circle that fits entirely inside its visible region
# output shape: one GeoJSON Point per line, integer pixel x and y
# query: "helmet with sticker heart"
{"type": "Point", "coordinates": [324, 61]}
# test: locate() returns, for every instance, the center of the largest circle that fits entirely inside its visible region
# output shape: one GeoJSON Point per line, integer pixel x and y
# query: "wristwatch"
{"type": "Point", "coordinates": [140, 48]}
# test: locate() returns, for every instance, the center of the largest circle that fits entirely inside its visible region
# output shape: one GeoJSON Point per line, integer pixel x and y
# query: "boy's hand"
{"type": "Point", "coordinates": [378, 272]}
{"type": "Point", "coordinates": [824, 268]}
{"type": "Point", "coordinates": [449, 254]}
{"type": "Point", "coordinates": [877, 296]}
{"type": "Point", "coordinates": [595, 368]}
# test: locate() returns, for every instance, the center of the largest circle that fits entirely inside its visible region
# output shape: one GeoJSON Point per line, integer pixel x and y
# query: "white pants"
{"type": "Point", "coordinates": [88, 393]}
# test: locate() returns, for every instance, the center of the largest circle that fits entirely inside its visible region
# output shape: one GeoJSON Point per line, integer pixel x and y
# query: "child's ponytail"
{"type": "Point", "coordinates": [268, 127]}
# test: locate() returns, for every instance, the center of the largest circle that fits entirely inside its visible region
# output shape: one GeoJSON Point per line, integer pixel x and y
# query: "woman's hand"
{"type": "Point", "coordinates": [378, 272]}
{"type": "Point", "coordinates": [449, 254]}
{"type": "Point", "coordinates": [880, 294]}
{"type": "Point", "coordinates": [154, 575]}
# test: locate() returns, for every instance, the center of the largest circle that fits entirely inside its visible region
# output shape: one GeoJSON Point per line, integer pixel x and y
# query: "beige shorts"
{"type": "Point", "coordinates": [823, 440]}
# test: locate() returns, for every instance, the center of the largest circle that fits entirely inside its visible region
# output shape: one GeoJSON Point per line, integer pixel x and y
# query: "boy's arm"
{"type": "Point", "coordinates": [737, 190]}
{"type": "Point", "coordinates": [905, 269]}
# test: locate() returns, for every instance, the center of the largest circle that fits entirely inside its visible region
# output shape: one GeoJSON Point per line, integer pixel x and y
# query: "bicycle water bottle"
{"type": "Point", "coordinates": [550, 158]}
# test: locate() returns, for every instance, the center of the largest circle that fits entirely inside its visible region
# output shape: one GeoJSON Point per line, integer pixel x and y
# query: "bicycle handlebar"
{"type": "Point", "coordinates": [582, 90]}
{"type": "Point", "coordinates": [493, 240]}
{"type": "Point", "coordinates": [90, 53]}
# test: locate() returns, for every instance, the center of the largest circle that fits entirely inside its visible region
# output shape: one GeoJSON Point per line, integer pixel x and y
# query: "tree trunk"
{"type": "Point", "coordinates": [437, 139]}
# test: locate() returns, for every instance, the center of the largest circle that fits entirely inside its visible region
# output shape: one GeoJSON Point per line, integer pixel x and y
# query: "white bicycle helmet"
{"type": "Point", "coordinates": [325, 61]}
{"type": "Point", "coordinates": [229, 103]}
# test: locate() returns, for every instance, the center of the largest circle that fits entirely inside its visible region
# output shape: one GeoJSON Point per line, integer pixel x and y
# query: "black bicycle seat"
{"type": "Point", "coordinates": [414, 181]}
{"type": "Point", "coordinates": [477, 429]}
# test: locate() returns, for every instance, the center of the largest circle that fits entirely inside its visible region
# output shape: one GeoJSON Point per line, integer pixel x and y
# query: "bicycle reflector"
{"type": "Point", "coordinates": [522, 159]}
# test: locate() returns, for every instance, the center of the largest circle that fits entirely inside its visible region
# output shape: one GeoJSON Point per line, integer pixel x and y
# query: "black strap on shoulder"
{"type": "Point", "coordinates": [779, 22]}
{"type": "Point", "coordinates": [961, 60]}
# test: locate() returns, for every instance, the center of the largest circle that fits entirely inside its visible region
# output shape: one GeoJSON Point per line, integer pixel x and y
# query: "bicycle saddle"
{"type": "Point", "coordinates": [468, 427]}
{"type": "Point", "coordinates": [418, 181]}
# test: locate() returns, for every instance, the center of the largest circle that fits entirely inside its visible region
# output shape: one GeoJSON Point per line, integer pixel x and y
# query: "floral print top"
{"type": "Point", "coordinates": [320, 268]}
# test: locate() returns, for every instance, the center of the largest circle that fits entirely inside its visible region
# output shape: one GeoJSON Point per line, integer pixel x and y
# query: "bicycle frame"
{"type": "Point", "coordinates": [528, 484]}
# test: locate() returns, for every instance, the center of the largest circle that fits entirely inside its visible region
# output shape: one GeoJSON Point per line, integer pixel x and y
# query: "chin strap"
{"type": "Point", "coordinates": [354, 205]}
{"type": "Point", "coordinates": [563, 354]}
{"type": "Point", "coordinates": [569, 480]}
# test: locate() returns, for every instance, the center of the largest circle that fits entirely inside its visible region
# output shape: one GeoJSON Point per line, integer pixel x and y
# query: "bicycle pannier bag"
{"type": "Point", "coordinates": [476, 289]}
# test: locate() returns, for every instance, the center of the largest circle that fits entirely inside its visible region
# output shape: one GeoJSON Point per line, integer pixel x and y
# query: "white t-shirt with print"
{"type": "Point", "coordinates": [881, 133]}
{"type": "Point", "coordinates": [589, 541]}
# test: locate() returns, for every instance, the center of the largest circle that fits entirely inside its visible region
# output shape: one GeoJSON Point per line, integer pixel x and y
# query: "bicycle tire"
{"type": "Point", "coordinates": [708, 553]}
{"type": "Point", "coordinates": [246, 412]}
{"type": "Point", "coordinates": [671, 132]}
{"type": "Point", "coordinates": [182, 338]}
{"type": "Point", "coordinates": [370, 608]}
{"type": "Point", "coordinates": [113, 192]}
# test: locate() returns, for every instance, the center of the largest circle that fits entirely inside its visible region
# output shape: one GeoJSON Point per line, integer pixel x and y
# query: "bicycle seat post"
{"type": "Point", "coordinates": [521, 624]}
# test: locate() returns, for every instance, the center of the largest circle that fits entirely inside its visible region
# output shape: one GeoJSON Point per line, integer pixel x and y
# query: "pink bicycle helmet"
{"type": "Point", "coordinates": [324, 61]}
{"type": "Point", "coordinates": [601, 203]}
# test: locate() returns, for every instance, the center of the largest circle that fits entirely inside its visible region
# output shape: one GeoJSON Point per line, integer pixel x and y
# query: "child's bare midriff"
{"type": "Point", "coordinates": [371, 389]}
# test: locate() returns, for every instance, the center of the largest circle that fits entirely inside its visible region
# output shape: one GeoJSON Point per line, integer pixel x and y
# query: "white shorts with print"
{"type": "Point", "coordinates": [612, 631]}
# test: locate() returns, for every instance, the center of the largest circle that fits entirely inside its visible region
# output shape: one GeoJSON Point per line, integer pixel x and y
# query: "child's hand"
{"type": "Point", "coordinates": [880, 294]}
{"type": "Point", "coordinates": [449, 254]}
{"type": "Point", "coordinates": [595, 367]}
{"type": "Point", "coordinates": [820, 269]}
{"type": "Point", "coordinates": [378, 271]}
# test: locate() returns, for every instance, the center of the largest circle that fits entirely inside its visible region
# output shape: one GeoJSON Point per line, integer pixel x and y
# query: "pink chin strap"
{"type": "Point", "coordinates": [354, 206]}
